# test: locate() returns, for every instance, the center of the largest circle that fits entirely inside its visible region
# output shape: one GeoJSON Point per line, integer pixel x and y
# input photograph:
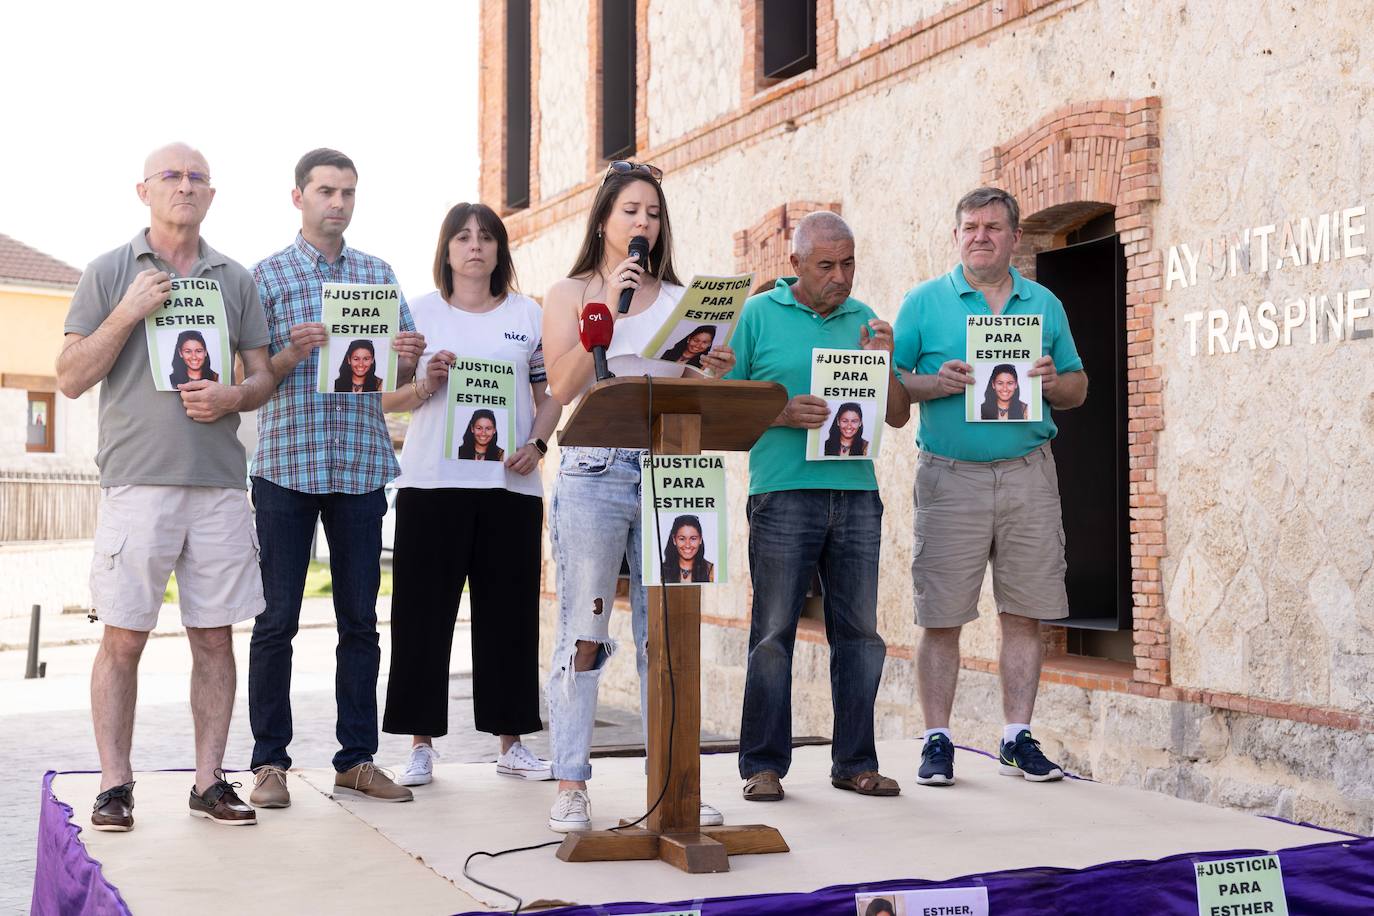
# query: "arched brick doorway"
{"type": "Point", "coordinates": [1091, 162]}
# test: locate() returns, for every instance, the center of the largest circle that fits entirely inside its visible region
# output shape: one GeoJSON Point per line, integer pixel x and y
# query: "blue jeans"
{"type": "Point", "coordinates": [792, 532]}
{"type": "Point", "coordinates": [286, 526]}
{"type": "Point", "coordinates": [593, 523]}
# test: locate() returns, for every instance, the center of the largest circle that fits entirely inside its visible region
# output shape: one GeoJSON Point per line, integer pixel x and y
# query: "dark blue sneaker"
{"type": "Point", "coordinates": [1023, 757]}
{"type": "Point", "coordinates": [937, 762]}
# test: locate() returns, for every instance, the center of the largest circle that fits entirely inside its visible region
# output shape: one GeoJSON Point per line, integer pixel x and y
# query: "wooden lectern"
{"type": "Point", "coordinates": [687, 416]}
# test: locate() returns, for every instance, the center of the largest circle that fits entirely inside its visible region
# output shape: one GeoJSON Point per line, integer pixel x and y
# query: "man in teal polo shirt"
{"type": "Point", "coordinates": [811, 515]}
{"type": "Point", "coordinates": [984, 491]}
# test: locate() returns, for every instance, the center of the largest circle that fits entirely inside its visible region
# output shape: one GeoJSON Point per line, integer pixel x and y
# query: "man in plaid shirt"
{"type": "Point", "coordinates": [320, 456]}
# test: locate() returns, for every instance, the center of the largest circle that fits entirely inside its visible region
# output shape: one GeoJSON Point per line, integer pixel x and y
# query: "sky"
{"type": "Point", "coordinates": [90, 88]}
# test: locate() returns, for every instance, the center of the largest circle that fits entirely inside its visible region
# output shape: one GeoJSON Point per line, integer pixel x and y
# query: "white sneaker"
{"type": "Point", "coordinates": [521, 763]}
{"type": "Point", "coordinates": [711, 817]}
{"type": "Point", "coordinates": [420, 770]}
{"type": "Point", "coordinates": [571, 812]}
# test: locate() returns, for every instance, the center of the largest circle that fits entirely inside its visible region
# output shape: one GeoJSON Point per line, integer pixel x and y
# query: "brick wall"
{"type": "Point", "coordinates": [764, 109]}
{"type": "Point", "coordinates": [1068, 166]}
{"type": "Point", "coordinates": [1105, 152]}
{"type": "Point", "coordinates": [764, 248]}
{"type": "Point", "coordinates": [491, 104]}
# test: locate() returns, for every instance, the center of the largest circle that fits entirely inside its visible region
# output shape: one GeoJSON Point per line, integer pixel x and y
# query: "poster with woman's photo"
{"type": "Point", "coordinates": [853, 384]}
{"type": "Point", "coordinates": [1002, 349]}
{"type": "Point", "coordinates": [703, 318]}
{"type": "Point", "coordinates": [684, 502]}
{"type": "Point", "coordinates": [970, 901]}
{"type": "Point", "coordinates": [188, 339]}
{"type": "Point", "coordinates": [361, 320]}
{"type": "Point", "coordinates": [480, 423]}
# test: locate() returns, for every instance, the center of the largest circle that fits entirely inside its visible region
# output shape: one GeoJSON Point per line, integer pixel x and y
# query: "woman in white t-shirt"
{"type": "Point", "coordinates": [594, 515]}
{"type": "Point", "coordinates": [469, 504]}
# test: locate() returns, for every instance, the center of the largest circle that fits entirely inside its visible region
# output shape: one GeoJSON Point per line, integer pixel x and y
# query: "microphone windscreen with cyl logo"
{"type": "Point", "coordinates": [597, 326]}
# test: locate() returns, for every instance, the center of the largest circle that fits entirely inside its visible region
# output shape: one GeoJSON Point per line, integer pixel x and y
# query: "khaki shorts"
{"type": "Point", "coordinates": [205, 533]}
{"type": "Point", "coordinates": [969, 513]}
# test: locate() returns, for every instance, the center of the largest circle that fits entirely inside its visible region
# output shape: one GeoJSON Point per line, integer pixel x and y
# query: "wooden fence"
{"type": "Point", "coordinates": [47, 507]}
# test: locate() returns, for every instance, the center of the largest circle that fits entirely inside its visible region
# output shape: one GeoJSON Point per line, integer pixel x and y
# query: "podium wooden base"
{"type": "Point", "coordinates": [617, 412]}
{"type": "Point", "coordinates": [698, 853]}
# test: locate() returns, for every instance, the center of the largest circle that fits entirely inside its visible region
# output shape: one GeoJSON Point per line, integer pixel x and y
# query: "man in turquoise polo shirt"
{"type": "Point", "coordinates": [811, 515]}
{"type": "Point", "coordinates": [984, 491]}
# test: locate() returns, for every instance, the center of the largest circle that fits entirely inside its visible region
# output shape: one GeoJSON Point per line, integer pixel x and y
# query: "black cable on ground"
{"type": "Point", "coordinates": [672, 693]}
{"type": "Point", "coordinates": [519, 902]}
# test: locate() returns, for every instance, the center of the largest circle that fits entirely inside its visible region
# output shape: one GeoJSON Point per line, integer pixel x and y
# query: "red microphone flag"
{"type": "Point", "coordinates": [597, 326]}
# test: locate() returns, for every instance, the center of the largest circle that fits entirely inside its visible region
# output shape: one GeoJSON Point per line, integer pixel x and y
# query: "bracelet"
{"type": "Point", "coordinates": [415, 384]}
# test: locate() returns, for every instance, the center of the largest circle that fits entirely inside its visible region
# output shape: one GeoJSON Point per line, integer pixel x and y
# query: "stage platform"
{"type": "Point", "coordinates": [353, 856]}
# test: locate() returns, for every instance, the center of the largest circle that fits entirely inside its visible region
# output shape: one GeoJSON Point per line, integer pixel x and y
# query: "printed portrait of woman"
{"type": "Point", "coordinates": [690, 349]}
{"type": "Point", "coordinates": [191, 360]}
{"type": "Point", "coordinates": [684, 556]}
{"type": "Point", "coordinates": [880, 906]}
{"type": "Point", "coordinates": [846, 438]}
{"type": "Point", "coordinates": [1002, 397]}
{"type": "Point", "coordinates": [358, 370]}
{"type": "Point", "coordinates": [480, 439]}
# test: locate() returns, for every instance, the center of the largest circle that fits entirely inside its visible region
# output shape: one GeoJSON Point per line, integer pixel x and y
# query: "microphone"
{"type": "Point", "coordinates": [597, 328]}
{"type": "Point", "coordinates": [639, 246]}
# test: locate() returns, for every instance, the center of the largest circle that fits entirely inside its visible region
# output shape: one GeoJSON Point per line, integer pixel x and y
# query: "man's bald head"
{"type": "Point", "coordinates": [175, 156]}
{"type": "Point", "coordinates": [175, 186]}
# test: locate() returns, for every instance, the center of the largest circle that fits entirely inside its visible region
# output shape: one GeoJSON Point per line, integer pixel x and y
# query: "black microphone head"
{"type": "Point", "coordinates": [639, 245]}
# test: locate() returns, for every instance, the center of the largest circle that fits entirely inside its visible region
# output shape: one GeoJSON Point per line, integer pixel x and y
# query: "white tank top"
{"type": "Point", "coordinates": [633, 333]}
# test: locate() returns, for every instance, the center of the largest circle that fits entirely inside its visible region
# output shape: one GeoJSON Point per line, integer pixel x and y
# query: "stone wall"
{"type": "Point", "coordinates": [564, 135]}
{"type": "Point", "coordinates": [1263, 457]}
{"type": "Point", "coordinates": [694, 47]}
{"type": "Point", "coordinates": [862, 23]}
{"type": "Point", "coordinates": [1266, 453]}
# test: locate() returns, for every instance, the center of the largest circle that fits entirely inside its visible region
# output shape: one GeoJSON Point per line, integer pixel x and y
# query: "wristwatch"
{"type": "Point", "coordinates": [539, 444]}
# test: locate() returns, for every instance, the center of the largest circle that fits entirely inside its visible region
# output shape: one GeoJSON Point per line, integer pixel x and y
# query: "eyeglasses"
{"type": "Point", "coordinates": [624, 166]}
{"type": "Point", "coordinates": [173, 176]}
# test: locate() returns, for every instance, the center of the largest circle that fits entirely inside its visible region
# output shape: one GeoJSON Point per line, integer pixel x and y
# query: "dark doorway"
{"type": "Point", "coordinates": [1090, 450]}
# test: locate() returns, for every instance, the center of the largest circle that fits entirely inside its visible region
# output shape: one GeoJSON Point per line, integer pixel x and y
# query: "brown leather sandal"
{"type": "Point", "coordinates": [763, 787]}
{"type": "Point", "coordinates": [869, 783]}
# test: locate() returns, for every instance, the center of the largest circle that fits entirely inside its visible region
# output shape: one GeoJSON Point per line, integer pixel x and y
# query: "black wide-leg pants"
{"type": "Point", "coordinates": [489, 538]}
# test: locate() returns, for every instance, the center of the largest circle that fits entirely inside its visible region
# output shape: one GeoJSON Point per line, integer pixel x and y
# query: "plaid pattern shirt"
{"type": "Point", "coordinates": [311, 442]}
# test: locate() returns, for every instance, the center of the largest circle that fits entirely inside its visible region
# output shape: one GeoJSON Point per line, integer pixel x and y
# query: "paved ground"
{"type": "Point", "coordinates": [45, 723]}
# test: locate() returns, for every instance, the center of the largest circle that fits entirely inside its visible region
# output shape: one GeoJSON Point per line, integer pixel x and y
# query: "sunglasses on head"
{"type": "Point", "coordinates": [624, 166]}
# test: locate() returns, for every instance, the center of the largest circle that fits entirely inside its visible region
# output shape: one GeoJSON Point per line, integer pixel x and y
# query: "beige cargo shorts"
{"type": "Point", "coordinates": [970, 513]}
{"type": "Point", "coordinates": [205, 534]}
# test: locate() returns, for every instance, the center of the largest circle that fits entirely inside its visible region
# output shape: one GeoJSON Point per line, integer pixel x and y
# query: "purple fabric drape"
{"type": "Point", "coordinates": [67, 881]}
{"type": "Point", "coordinates": [1326, 879]}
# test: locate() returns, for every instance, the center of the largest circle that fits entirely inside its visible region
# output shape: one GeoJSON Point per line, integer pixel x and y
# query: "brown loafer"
{"type": "Point", "coordinates": [269, 788]}
{"type": "Point", "coordinates": [869, 783]}
{"type": "Point", "coordinates": [367, 781]}
{"type": "Point", "coordinates": [763, 787]}
{"type": "Point", "coordinates": [221, 805]}
{"type": "Point", "coordinates": [114, 809]}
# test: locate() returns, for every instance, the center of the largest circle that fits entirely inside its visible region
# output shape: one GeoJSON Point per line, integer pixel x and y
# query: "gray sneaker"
{"type": "Point", "coordinates": [419, 769]}
{"type": "Point", "coordinates": [571, 812]}
{"type": "Point", "coordinates": [521, 763]}
{"type": "Point", "coordinates": [269, 788]}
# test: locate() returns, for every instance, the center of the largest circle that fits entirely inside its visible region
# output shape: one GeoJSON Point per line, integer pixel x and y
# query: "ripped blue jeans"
{"type": "Point", "coordinates": [593, 523]}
